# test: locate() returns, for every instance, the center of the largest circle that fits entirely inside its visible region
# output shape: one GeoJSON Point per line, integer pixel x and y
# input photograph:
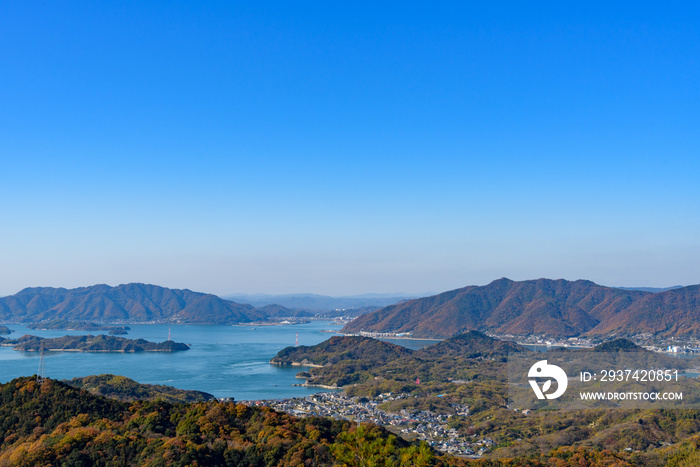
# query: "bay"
{"type": "Point", "coordinates": [226, 361]}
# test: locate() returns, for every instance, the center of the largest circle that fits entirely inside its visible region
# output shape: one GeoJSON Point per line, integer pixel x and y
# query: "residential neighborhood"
{"type": "Point", "coordinates": [423, 425]}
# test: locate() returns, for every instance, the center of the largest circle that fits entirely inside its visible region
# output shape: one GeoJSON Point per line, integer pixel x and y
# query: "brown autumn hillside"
{"type": "Point", "coordinates": [127, 302]}
{"type": "Point", "coordinates": [548, 307]}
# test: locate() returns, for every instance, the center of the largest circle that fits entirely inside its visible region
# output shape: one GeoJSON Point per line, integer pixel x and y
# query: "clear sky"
{"type": "Point", "coordinates": [345, 148]}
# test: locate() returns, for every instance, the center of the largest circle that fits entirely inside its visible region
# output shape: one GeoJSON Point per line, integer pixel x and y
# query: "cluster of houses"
{"type": "Point", "coordinates": [411, 424]}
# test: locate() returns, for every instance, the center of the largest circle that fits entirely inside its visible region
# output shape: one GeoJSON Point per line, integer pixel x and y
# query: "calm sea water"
{"type": "Point", "coordinates": [226, 361]}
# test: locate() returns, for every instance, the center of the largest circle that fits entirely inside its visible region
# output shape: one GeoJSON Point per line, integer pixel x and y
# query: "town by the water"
{"type": "Point", "coordinates": [424, 425]}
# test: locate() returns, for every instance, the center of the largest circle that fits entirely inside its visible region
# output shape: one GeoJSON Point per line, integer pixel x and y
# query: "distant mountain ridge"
{"type": "Point", "coordinates": [652, 289]}
{"type": "Point", "coordinates": [319, 303]}
{"type": "Point", "coordinates": [544, 306]}
{"type": "Point", "coordinates": [133, 302]}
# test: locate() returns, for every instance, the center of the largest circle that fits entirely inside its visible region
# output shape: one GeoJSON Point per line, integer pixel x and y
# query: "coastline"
{"type": "Point", "coordinates": [323, 386]}
{"type": "Point", "coordinates": [94, 351]}
{"type": "Point", "coordinates": [310, 365]}
{"type": "Point", "coordinates": [235, 347]}
{"type": "Point", "coordinates": [408, 338]}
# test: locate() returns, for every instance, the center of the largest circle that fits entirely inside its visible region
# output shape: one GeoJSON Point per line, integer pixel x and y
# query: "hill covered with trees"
{"type": "Point", "coordinates": [471, 370]}
{"type": "Point", "coordinates": [128, 390]}
{"type": "Point", "coordinates": [345, 360]}
{"type": "Point", "coordinates": [557, 308]}
{"type": "Point", "coordinates": [125, 303]}
{"type": "Point", "coordinates": [52, 423]}
{"type": "Point", "coordinates": [340, 348]}
{"type": "Point", "coordinates": [89, 343]}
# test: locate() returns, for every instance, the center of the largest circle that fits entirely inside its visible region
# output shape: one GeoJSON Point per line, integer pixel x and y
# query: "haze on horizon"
{"type": "Point", "coordinates": [343, 150]}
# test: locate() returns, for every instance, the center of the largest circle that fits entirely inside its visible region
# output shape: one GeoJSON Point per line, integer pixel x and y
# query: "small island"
{"type": "Point", "coordinates": [5, 330]}
{"type": "Point", "coordinates": [89, 343]}
{"type": "Point", "coordinates": [65, 325]}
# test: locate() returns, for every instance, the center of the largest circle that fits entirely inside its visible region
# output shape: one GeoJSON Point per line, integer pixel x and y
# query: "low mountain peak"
{"type": "Point", "coordinates": [618, 345]}
{"type": "Point", "coordinates": [502, 280]}
{"type": "Point", "coordinates": [549, 307]}
{"type": "Point", "coordinates": [134, 302]}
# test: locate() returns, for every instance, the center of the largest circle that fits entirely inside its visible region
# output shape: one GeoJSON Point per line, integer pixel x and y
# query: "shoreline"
{"type": "Point", "coordinates": [92, 351]}
{"type": "Point", "coordinates": [323, 386]}
{"type": "Point", "coordinates": [309, 365]}
{"type": "Point", "coordinates": [408, 338]}
{"type": "Point", "coordinates": [240, 344]}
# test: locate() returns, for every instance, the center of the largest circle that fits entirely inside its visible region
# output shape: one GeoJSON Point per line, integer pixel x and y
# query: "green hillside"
{"type": "Point", "coordinates": [55, 424]}
{"type": "Point", "coordinates": [127, 390]}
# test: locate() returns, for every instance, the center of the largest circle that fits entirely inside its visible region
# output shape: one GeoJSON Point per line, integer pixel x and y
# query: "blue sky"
{"type": "Point", "coordinates": [350, 148]}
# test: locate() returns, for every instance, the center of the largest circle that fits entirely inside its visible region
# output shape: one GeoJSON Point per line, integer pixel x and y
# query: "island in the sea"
{"type": "Point", "coordinates": [90, 343]}
{"type": "Point", "coordinates": [65, 325]}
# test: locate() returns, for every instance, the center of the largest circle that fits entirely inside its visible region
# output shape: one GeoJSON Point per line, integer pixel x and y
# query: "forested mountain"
{"type": "Point", "coordinates": [339, 348]}
{"type": "Point", "coordinates": [127, 302]}
{"type": "Point", "coordinates": [344, 360]}
{"type": "Point", "coordinates": [470, 344]}
{"type": "Point", "coordinates": [547, 307]}
{"type": "Point", "coordinates": [128, 390]}
{"type": "Point", "coordinates": [279, 311]}
{"type": "Point", "coordinates": [376, 352]}
{"type": "Point", "coordinates": [544, 306]}
{"type": "Point", "coordinates": [51, 423]}
{"type": "Point", "coordinates": [675, 312]}
{"type": "Point", "coordinates": [472, 370]}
